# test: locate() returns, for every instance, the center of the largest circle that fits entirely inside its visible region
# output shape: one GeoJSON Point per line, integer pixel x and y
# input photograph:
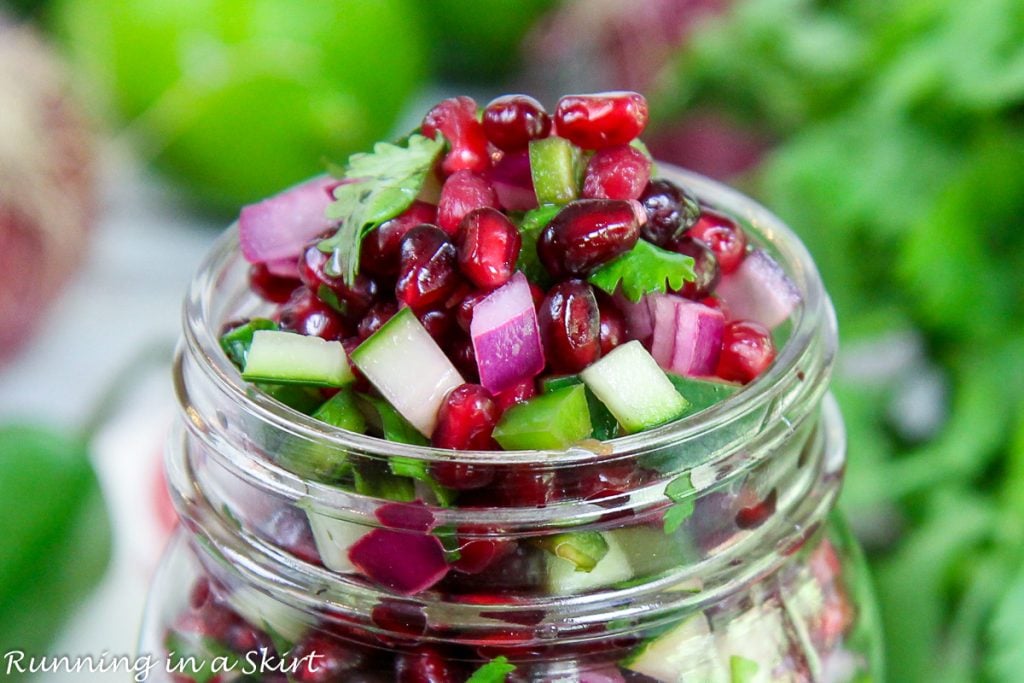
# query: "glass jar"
{"type": "Point", "coordinates": [703, 550]}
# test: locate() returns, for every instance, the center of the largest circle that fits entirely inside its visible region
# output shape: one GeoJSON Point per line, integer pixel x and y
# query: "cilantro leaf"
{"type": "Point", "coordinates": [644, 269]}
{"type": "Point", "coordinates": [494, 671]}
{"type": "Point", "coordinates": [680, 492]}
{"type": "Point", "coordinates": [383, 184]}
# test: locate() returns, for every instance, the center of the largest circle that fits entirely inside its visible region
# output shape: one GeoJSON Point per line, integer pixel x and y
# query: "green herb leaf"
{"type": "Point", "coordinates": [494, 671]}
{"type": "Point", "coordinates": [383, 185]}
{"type": "Point", "coordinates": [644, 269]}
{"type": "Point", "coordinates": [680, 492]}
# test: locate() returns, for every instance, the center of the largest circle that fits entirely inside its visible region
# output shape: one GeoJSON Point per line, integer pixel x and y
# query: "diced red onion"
{"type": "Point", "coordinates": [759, 290]}
{"type": "Point", "coordinates": [698, 339]}
{"type": "Point", "coordinates": [404, 562]}
{"type": "Point", "coordinates": [513, 182]}
{"type": "Point", "coordinates": [663, 337]}
{"type": "Point", "coordinates": [687, 337]}
{"type": "Point", "coordinates": [288, 267]}
{"type": "Point", "coordinates": [506, 336]}
{"type": "Point", "coordinates": [639, 323]}
{"type": "Point", "coordinates": [278, 227]}
{"type": "Point", "coordinates": [407, 516]}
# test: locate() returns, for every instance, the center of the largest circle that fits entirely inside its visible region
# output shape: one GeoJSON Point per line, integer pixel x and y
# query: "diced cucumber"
{"type": "Point", "coordinates": [267, 613]}
{"type": "Point", "coordinates": [289, 358]}
{"type": "Point", "coordinates": [603, 423]}
{"type": "Point", "coordinates": [551, 421]}
{"type": "Point", "coordinates": [684, 653]}
{"type": "Point", "coordinates": [553, 163]}
{"type": "Point", "coordinates": [584, 549]}
{"type": "Point", "coordinates": [565, 577]}
{"type": "Point", "coordinates": [759, 636]}
{"type": "Point", "coordinates": [407, 366]}
{"type": "Point", "coordinates": [390, 424]}
{"type": "Point", "coordinates": [236, 342]}
{"type": "Point", "coordinates": [632, 386]}
{"type": "Point", "coordinates": [702, 393]}
{"type": "Point", "coordinates": [333, 538]}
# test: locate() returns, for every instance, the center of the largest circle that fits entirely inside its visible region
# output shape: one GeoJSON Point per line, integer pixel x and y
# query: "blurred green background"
{"type": "Point", "coordinates": [890, 135]}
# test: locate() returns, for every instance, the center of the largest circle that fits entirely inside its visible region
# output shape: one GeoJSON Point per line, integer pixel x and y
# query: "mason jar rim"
{"type": "Point", "coordinates": [814, 321]}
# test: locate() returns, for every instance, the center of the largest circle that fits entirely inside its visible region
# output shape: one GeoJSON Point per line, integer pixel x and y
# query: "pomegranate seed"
{"type": "Point", "coordinates": [520, 392]}
{"type": "Point", "coordinates": [619, 172]}
{"type": "Point", "coordinates": [401, 617]}
{"type": "Point", "coordinates": [354, 300]}
{"type": "Point", "coordinates": [511, 121]}
{"type": "Point", "coordinates": [587, 234]}
{"type": "Point", "coordinates": [466, 419]}
{"type": "Point", "coordinates": [306, 314]}
{"type": "Point", "coordinates": [379, 251]}
{"type": "Point", "coordinates": [428, 274]}
{"type": "Point", "coordinates": [717, 304]}
{"type": "Point", "coordinates": [324, 659]}
{"type": "Point", "coordinates": [523, 487]}
{"type": "Point", "coordinates": [478, 554]}
{"type": "Point", "coordinates": [670, 211]}
{"type": "Point", "coordinates": [747, 349]}
{"type": "Point", "coordinates": [705, 267]}
{"type": "Point", "coordinates": [375, 318]}
{"type": "Point", "coordinates": [570, 324]}
{"type": "Point", "coordinates": [463, 192]}
{"type": "Point", "coordinates": [455, 119]}
{"type": "Point", "coordinates": [463, 355]}
{"type": "Point", "coordinates": [289, 530]}
{"type": "Point", "coordinates": [243, 638]}
{"type": "Point", "coordinates": [724, 236]}
{"type": "Point", "coordinates": [213, 620]}
{"type": "Point", "coordinates": [488, 247]}
{"type": "Point", "coordinates": [601, 119]}
{"type": "Point", "coordinates": [438, 323]}
{"type": "Point", "coordinates": [756, 515]}
{"type": "Point", "coordinates": [270, 287]}
{"type": "Point", "coordinates": [200, 593]}
{"type": "Point", "coordinates": [464, 312]}
{"type": "Point", "coordinates": [425, 665]}
{"type": "Point", "coordinates": [612, 327]}
{"type": "Point", "coordinates": [592, 483]}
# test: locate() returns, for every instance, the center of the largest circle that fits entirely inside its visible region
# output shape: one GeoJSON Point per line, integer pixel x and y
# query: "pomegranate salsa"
{"type": "Point", "coordinates": [507, 279]}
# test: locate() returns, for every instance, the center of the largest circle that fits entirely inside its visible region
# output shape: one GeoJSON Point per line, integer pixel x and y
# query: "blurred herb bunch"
{"type": "Point", "coordinates": [900, 162]}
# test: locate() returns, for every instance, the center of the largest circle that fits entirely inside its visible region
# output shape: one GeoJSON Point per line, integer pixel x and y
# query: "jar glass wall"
{"type": "Point", "coordinates": [701, 550]}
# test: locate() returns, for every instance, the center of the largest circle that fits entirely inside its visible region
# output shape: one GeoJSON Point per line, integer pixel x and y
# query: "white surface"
{"type": "Point", "coordinates": [126, 297]}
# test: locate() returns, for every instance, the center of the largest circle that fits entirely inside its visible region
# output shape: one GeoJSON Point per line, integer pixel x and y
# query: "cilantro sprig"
{"type": "Point", "coordinates": [494, 671]}
{"type": "Point", "coordinates": [644, 269]}
{"type": "Point", "coordinates": [381, 185]}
